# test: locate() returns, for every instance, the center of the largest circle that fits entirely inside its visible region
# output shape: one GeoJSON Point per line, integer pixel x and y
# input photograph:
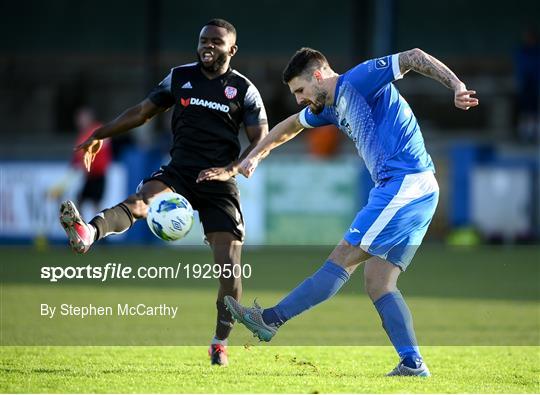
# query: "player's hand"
{"type": "Point", "coordinates": [463, 98]}
{"type": "Point", "coordinates": [90, 149]}
{"type": "Point", "coordinates": [216, 174]}
{"type": "Point", "coordinates": [248, 166]}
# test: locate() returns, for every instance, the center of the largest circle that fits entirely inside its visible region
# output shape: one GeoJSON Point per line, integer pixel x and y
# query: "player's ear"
{"type": "Point", "coordinates": [318, 75]}
{"type": "Point", "coordinates": [233, 50]}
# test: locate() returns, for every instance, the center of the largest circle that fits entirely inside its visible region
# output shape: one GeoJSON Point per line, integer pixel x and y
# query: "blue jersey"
{"type": "Point", "coordinates": [369, 109]}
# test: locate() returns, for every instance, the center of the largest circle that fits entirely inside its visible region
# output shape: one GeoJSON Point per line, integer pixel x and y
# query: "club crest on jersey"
{"type": "Point", "coordinates": [381, 63]}
{"type": "Point", "coordinates": [230, 92]}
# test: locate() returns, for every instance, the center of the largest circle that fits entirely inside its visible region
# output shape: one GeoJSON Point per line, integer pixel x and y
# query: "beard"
{"type": "Point", "coordinates": [317, 106]}
{"type": "Point", "coordinates": [217, 64]}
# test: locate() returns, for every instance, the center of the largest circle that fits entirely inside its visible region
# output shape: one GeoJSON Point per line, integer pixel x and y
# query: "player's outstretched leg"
{"type": "Point", "coordinates": [252, 318]}
{"type": "Point", "coordinates": [380, 278]}
{"type": "Point", "coordinates": [114, 220]}
{"type": "Point", "coordinates": [322, 285]}
{"type": "Point", "coordinates": [264, 324]}
{"type": "Point", "coordinates": [80, 234]}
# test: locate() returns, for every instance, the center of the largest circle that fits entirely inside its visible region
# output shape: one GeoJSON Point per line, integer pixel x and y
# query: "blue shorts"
{"type": "Point", "coordinates": [396, 217]}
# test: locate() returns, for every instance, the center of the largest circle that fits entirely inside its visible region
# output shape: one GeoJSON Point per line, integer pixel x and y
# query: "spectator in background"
{"type": "Point", "coordinates": [527, 69]}
{"type": "Point", "coordinates": [93, 186]}
{"type": "Point", "coordinates": [323, 142]}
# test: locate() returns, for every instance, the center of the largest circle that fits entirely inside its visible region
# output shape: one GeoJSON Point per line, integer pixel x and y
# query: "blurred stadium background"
{"type": "Point", "coordinates": [56, 57]}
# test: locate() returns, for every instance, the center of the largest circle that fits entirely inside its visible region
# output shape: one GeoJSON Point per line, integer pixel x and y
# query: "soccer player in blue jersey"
{"type": "Point", "coordinates": [364, 104]}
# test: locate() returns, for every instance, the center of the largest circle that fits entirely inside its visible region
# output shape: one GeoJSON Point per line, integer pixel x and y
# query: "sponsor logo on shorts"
{"type": "Point", "coordinates": [194, 101]}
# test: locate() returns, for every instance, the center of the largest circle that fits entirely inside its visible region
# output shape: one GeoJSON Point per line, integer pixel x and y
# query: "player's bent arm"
{"type": "Point", "coordinates": [280, 134]}
{"type": "Point", "coordinates": [425, 64]}
{"type": "Point", "coordinates": [131, 118]}
{"type": "Point", "coordinates": [255, 134]}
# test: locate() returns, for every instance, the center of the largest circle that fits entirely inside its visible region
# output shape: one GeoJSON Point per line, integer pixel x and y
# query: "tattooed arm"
{"type": "Point", "coordinates": [425, 64]}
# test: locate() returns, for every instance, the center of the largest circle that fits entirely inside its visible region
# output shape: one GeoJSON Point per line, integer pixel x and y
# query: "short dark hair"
{"type": "Point", "coordinates": [305, 59]}
{"type": "Point", "coordinates": [222, 23]}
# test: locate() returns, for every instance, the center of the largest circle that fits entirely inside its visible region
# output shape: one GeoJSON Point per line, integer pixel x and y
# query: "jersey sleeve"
{"type": "Point", "coordinates": [310, 120]}
{"type": "Point", "coordinates": [254, 111]}
{"type": "Point", "coordinates": [162, 95]}
{"type": "Point", "coordinates": [372, 75]}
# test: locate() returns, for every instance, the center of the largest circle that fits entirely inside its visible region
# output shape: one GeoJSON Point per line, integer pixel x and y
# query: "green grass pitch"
{"type": "Point", "coordinates": [477, 316]}
{"type": "Point", "coordinates": [319, 369]}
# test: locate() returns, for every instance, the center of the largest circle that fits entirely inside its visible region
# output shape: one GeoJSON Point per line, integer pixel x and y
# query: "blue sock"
{"type": "Point", "coordinates": [397, 322]}
{"type": "Point", "coordinates": [322, 285]}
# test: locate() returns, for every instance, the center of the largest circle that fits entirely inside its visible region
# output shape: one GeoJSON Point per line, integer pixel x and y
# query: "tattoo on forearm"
{"type": "Point", "coordinates": [427, 65]}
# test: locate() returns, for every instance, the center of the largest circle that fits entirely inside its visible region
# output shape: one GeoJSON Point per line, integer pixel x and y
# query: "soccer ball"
{"type": "Point", "coordinates": [170, 216]}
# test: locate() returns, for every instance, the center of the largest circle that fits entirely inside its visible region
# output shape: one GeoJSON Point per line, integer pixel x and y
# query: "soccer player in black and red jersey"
{"type": "Point", "coordinates": [210, 102]}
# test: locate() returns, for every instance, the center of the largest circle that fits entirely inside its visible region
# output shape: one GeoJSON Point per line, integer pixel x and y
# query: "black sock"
{"type": "Point", "coordinates": [113, 220]}
{"type": "Point", "coordinates": [225, 321]}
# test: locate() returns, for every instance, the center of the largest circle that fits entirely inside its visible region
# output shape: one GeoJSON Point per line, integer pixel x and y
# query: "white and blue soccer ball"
{"type": "Point", "coordinates": [170, 216]}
